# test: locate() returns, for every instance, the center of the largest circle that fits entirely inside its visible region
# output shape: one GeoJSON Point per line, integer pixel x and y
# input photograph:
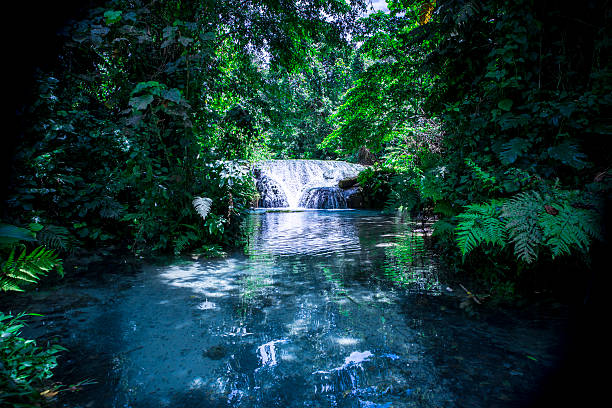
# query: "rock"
{"type": "Point", "coordinates": [354, 198]}
{"type": "Point", "coordinates": [347, 182]}
{"type": "Point", "coordinates": [215, 352]}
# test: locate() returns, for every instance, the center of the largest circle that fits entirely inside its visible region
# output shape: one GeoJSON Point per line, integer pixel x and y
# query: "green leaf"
{"type": "Point", "coordinates": [480, 223]}
{"type": "Point", "coordinates": [141, 102]}
{"type": "Point", "coordinates": [512, 149]}
{"type": "Point", "coordinates": [505, 104]}
{"type": "Point", "coordinates": [112, 16]}
{"type": "Point", "coordinates": [10, 234]}
{"type": "Point", "coordinates": [185, 41]}
{"type": "Point", "coordinates": [35, 227]}
{"type": "Point", "coordinates": [568, 153]}
{"type": "Point", "coordinates": [153, 87]}
{"type": "Point", "coordinates": [173, 95]}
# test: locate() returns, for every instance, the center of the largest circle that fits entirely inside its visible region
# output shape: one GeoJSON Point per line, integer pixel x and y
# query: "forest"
{"type": "Point", "coordinates": [136, 138]}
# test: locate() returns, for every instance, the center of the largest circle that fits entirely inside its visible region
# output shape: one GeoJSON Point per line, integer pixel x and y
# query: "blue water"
{"type": "Point", "coordinates": [323, 309]}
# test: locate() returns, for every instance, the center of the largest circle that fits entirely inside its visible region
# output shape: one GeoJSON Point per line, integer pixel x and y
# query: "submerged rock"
{"type": "Point", "coordinates": [215, 352]}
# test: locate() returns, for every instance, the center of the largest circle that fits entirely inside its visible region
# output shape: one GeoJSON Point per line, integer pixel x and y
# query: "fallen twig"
{"type": "Point", "coordinates": [470, 294]}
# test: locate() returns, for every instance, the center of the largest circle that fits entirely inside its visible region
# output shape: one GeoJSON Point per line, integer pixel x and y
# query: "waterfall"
{"type": "Point", "coordinates": [303, 183]}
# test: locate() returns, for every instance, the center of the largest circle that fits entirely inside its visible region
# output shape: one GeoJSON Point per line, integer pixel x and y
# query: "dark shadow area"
{"type": "Point", "coordinates": [32, 42]}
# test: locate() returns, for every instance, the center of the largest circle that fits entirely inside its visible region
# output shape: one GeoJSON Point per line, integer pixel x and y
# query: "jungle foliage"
{"type": "Point", "coordinates": [154, 103]}
{"type": "Point", "coordinates": [141, 136]}
{"type": "Point", "coordinates": [21, 265]}
{"type": "Point", "coordinates": [492, 116]}
{"type": "Point", "coordinates": [495, 117]}
{"type": "Point", "coordinates": [25, 366]}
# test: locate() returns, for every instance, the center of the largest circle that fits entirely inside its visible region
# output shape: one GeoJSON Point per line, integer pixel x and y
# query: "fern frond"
{"type": "Point", "coordinates": [183, 241]}
{"type": "Point", "coordinates": [480, 223]}
{"type": "Point", "coordinates": [9, 284]}
{"type": "Point", "coordinates": [202, 206]}
{"type": "Point", "coordinates": [532, 223]}
{"type": "Point", "coordinates": [566, 230]}
{"type": "Point", "coordinates": [27, 268]}
{"type": "Point", "coordinates": [521, 213]}
{"type": "Point", "coordinates": [56, 237]}
{"type": "Point", "coordinates": [488, 181]}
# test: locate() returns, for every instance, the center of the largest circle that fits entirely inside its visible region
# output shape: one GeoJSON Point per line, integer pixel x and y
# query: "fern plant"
{"type": "Point", "coordinates": [24, 366]}
{"type": "Point", "coordinates": [202, 206]}
{"type": "Point", "coordinates": [569, 227]}
{"type": "Point", "coordinates": [185, 238]}
{"type": "Point", "coordinates": [531, 222]}
{"type": "Point", "coordinates": [17, 266]}
{"type": "Point", "coordinates": [488, 181]}
{"type": "Point", "coordinates": [56, 237]}
{"type": "Point", "coordinates": [25, 268]}
{"type": "Point", "coordinates": [522, 215]}
{"type": "Point", "coordinates": [480, 223]}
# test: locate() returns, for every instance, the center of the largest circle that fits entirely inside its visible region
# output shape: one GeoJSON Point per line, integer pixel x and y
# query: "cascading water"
{"type": "Point", "coordinates": [323, 197]}
{"type": "Point", "coordinates": [303, 183]}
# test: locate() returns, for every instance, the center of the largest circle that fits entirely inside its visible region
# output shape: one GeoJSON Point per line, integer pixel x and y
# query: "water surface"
{"type": "Point", "coordinates": [324, 309]}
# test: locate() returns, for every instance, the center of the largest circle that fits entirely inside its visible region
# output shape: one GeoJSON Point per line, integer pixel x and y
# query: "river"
{"type": "Point", "coordinates": [325, 308]}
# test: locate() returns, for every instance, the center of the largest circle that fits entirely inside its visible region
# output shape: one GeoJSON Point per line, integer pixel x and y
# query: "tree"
{"type": "Point", "coordinates": [162, 95]}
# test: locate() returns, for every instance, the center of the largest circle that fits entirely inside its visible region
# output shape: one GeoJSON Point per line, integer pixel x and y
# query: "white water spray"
{"type": "Point", "coordinates": [284, 183]}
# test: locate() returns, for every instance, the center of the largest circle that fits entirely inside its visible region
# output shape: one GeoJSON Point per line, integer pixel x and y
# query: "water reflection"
{"type": "Point", "coordinates": [324, 309]}
{"type": "Point", "coordinates": [320, 233]}
{"type": "Point", "coordinates": [408, 265]}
